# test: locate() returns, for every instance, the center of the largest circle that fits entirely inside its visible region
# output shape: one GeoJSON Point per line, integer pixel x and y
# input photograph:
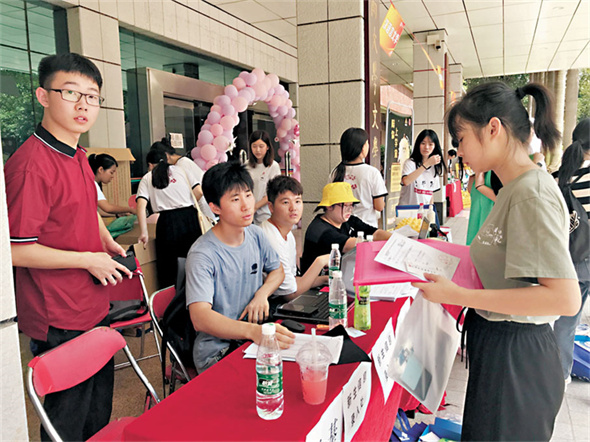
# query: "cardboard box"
{"type": "Point", "coordinates": [146, 256]}
{"type": "Point", "coordinates": [117, 191]}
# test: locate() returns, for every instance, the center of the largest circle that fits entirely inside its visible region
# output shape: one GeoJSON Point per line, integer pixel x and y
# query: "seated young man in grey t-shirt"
{"type": "Point", "coordinates": [224, 270]}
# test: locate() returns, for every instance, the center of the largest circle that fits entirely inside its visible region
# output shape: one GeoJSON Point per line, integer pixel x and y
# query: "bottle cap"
{"type": "Point", "coordinates": [360, 234]}
{"type": "Point", "coordinates": [337, 274]}
{"type": "Point", "coordinates": [268, 328]}
{"type": "Point", "coordinates": [335, 246]}
{"type": "Point", "coordinates": [370, 238]}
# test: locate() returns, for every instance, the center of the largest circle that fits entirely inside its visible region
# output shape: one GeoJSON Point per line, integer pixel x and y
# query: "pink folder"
{"type": "Point", "coordinates": [369, 272]}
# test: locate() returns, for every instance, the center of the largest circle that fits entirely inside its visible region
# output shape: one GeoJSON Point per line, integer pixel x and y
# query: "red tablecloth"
{"type": "Point", "coordinates": [220, 404]}
{"type": "Point", "coordinates": [453, 191]}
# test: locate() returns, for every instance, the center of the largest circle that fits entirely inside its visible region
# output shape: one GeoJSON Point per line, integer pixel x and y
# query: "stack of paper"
{"type": "Point", "coordinates": [334, 344]}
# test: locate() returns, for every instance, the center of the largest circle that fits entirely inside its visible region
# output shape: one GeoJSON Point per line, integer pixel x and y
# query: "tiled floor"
{"type": "Point", "coordinates": [573, 420]}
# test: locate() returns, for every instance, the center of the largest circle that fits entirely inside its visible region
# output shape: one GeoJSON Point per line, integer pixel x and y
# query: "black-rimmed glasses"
{"type": "Point", "coordinates": [75, 97]}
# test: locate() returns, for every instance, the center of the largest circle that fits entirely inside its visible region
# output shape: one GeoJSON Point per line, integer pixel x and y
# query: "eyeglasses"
{"type": "Point", "coordinates": [75, 97]}
{"type": "Point", "coordinates": [346, 208]}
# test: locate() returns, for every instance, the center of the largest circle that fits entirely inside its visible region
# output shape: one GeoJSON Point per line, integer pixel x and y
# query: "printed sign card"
{"type": "Point", "coordinates": [355, 399]}
{"type": "Point", "coordinates": [329, 427]}
{"type": "Point", "coordinates": [381, 354]}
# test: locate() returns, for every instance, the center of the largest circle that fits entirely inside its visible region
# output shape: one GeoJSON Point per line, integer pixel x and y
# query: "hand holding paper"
{"type": "Point", "coordinates": [440, 290]}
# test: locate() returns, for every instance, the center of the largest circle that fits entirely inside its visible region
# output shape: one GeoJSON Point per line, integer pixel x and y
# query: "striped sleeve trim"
{"type": "Point", "coordinates": [141, 197]}
{"type": "Point", "coordinates": [18, 240]}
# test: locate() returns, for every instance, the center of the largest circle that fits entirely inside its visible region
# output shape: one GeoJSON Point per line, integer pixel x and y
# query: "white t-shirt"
{"type": "Point", "coordinates": [175, 196]}
{"type": "Point", "coordinates": [261, 175]}
{"type": "Point", "coordinates": [421, 190]}
{"type": "Point", "coordinates": [195, 173]}
{"type": "Point", "coordinates": [367, 183]}
{"type": "Point", "coordinates": [287, 251]}
{"type": "Point", "coordinates": [99, 193]}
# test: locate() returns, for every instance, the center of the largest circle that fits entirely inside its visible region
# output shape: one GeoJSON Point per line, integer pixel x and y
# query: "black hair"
{"type": "Point", "coordinates": [160, 178]}
{"type": "Point", "coordinates": [452, 153]}
{"type": "Point", "coordinates": [70, 62]}
{"type": "Point", "coordinates": [164, 146]}
{"type": "Point", "coordinates": [416, 156]}
{"type": "Point", "coordinates": [573, 155]}
{"type": "Point", "coordinates": [224, 177]}
{"type": "Point", "coordinates": [352, 141]}
{"type": "Point", "coordinates": [496, 99]}
{"type": "Point", "coordinates": [281, 184]}
{"type": "Point", "coordinates": [270, 153]}
{"type": "Point", "coordinates": [101, 160]}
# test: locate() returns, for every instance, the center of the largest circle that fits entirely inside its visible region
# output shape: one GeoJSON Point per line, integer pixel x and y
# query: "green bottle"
{"type": "Point", "coordinates": [362, 308]}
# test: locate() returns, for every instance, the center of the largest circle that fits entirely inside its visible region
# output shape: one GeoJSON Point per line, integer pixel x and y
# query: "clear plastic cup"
{"type": "Point", "coordinates": [314, 359]}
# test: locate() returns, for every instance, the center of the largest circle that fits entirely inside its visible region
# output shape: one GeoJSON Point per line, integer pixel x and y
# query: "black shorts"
{"type": "Point", "coordinates": [515, 385]}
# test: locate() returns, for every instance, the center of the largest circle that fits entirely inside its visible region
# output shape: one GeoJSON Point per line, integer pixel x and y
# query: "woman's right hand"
{"type": "Point", "coordinates": [143, 238]}
{"type": "Point", "coordinates": [432, 161]}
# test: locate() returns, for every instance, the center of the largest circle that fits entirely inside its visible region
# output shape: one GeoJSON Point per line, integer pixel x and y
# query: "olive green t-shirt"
{"type": "Point", "coordinates": [525, 237]}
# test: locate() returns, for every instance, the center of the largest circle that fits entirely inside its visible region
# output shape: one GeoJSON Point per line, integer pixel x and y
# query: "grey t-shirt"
{"type": "Point", "coordinates": [227, 278]}
{"type": "Point", "coordinates": [524, 237]}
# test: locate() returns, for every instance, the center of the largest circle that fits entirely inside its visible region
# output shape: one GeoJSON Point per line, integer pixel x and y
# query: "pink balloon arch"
{"type": "Point", "coordinates": [216, 135]}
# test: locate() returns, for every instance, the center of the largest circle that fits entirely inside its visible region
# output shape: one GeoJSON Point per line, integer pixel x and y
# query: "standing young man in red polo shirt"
{"type": "Point", "coordinates": [58, 240]}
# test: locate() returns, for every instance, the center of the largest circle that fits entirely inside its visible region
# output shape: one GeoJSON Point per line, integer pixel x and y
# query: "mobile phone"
{"type": "Point", "coordinates": [128, 261]}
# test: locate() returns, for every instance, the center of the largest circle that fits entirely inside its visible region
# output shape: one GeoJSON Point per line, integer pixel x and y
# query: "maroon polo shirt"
{"type": "Point", "coordinates": [51, 200]}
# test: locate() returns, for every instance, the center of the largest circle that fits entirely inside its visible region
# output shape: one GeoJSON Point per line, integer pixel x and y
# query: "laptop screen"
{"type": "Point", "coordinates": [347, 263]}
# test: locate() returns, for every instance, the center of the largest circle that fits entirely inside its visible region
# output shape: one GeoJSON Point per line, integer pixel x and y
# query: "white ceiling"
{"type": "Point", "coordinates": [488, 37]}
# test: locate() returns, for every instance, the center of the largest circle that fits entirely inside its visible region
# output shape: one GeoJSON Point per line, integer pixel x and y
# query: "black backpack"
{"type": "Point", "coordinates": [579, 226]}
{"type": "Point", "coordinates": [176, 324]}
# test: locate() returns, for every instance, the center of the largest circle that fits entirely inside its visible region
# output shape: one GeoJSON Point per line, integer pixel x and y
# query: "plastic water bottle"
{"type": "Point", "coordinates": [337, 301]}
{"type": "Point", "coordinates": [334, 263]}
{"type": "Point", "coordinates": [269, 375]}
{"type": "Point", "coordinates": [420, 213]}
{"type": "Point", "coordinates": [369, 238]}
{"type": "Point", "coordinates": [360, 237]}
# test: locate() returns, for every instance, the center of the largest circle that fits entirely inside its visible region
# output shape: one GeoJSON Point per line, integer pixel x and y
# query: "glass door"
{"type": "Point", "coordinates": [179, 121]}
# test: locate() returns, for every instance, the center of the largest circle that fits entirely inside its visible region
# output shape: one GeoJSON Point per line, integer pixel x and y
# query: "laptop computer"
{"type": "Point", "coordinates": [312, 306]}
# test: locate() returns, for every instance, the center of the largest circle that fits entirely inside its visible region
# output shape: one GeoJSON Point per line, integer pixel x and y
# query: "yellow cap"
{"type": "Point", "coordinates": [337, 193]}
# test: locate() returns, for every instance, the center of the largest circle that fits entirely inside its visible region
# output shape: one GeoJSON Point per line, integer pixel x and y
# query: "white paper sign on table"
{"type": "Point", "coordinates": [381, 354]}
{"type": "Point", "coordinates": [355, 399]}
{"type": "Point", "coordinates": [416, 258]}
{"type": "Point", "coordinates": [329, 427]}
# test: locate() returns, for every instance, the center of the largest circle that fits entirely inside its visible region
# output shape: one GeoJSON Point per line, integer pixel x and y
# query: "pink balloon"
{"type": "Point", "coordinates": [272, 108]}
{"type": "Point", "coordinates": [205, 127]}
{"type": "Point", "coordinates": [240, 104]}
{"type": "Point", "coordinates": [228, 109]}
{"type": "Point", "coordinates": [273, 79]}
{"type": "Point", "coordinates": [270, 94]}
{"type": "Point", "coordinates": [268, 83]}
{"type": "Point", "coordinates": [280, 89]}
{"type": "Point", "coordinates": [216, 129]}
{"type": "Point", "coordinates": [227, 122]}
{"type": "Point", "coordinates": [221, 100]}
{"type": "Point", "coordinates": [223, 158]}
{"type": "Point", "coordinates": [277, 100]}
{"type": "Point", "coordinates": [251, 79]}
{"type": "Point", "coordinates": [259, 74]}
{"type": "Point", "coordinates": [201, 163]}
{"type": "Point", "coordinates": [208, 152]}
{"type": "Point", "coordinates": [221, 143]}
{"type": "Point", "coordinates": [231, 91]}
{"type": "Point", "coordinates": [282, 110]}
{"type": "Point", "coordinates": [291, 113]}
{"type": "Point", "coordinates": [205, 137]}
{"type": "Point", "coordinates": [195, 152]}
{"type": "Point", "coordinates": [243, 75]}
{"type": "Point", "coordinates": [284, 146]}
{"type": "Point", "coordinates": [239, 83]}
{"type": "Point", "coordinates": [286, 124]}
{"type": "Point", "coordinates": [228, 134]}
{"type": "Point", "coordinates": [200, 144]}
{"type": "Point", "coordinates": [281, 133]}
{"type": "Point", "coordinates": [214, 117]}
{"type": "Point", "coordinates": [295, 160]}
{"type": "Point", "coordinates": [236, 120]}
{"type": "Point", "coordinates": [289, 104]}
{"type": "Point", "coordinates": [260, 90]}
{"type": "Point", "coordinates": [212, 163]}
{"type": "Point", "coordinates": [215, 108]}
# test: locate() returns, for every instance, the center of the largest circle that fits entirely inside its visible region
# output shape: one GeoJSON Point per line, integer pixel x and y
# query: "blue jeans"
{"type": "Point", "coordinates": [565, 330]}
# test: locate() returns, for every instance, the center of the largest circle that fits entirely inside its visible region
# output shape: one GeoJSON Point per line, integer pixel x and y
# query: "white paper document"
{"type": "Point", "coordinates": [416, 258]}
{"type": "Point", "coordinates": [391, 292]}
{"type": "Point", "coordinates": [381, 354]}
{"type": "Point", "coordinates": [329, 427]}
{"type": "Point", "coordinates": [355, 399]}
{"type": "Point", "coordinates": [334, 344]}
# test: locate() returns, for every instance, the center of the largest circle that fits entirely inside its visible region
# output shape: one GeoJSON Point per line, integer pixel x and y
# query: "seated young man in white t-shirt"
{"type": "Point", "coordinates": [286, 207]}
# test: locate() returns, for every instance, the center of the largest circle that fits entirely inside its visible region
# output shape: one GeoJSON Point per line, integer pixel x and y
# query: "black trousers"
{"type": "Point", "coordinates": [176, 232]}
{"type": "Point", "coordinates": [81, 411]}
{"type": "Point", "coordinates": [515, 385]}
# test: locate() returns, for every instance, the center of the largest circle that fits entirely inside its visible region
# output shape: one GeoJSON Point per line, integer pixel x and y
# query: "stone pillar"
{"type": "Point", "coordinates": [571, 105]}
{"type": "Point", "coordinates": [96, 36]}
{"type": "Point", "coordinates": [331, 64]}
{"type": "Point", "coordinates": [429, 93]}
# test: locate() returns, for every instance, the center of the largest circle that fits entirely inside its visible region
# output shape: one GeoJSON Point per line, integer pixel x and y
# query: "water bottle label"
{"type": "Point", "coordinates": [337, 311]}
{"type": "Point", "coordinates": [332, 269]}
{"type": "Point", "coordinates": [269, 384]}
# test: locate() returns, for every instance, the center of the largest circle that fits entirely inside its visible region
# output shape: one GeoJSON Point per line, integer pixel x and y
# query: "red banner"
{"type": "Point", "coordinates": [391, 30]}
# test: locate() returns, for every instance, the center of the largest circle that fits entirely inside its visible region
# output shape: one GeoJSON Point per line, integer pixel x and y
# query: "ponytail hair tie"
{"type": "Point", "coordinates": [520, 93]}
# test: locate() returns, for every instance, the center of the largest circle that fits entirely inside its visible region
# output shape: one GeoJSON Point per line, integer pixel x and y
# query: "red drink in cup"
{"type": "Point", "coordinates": [313, 384]}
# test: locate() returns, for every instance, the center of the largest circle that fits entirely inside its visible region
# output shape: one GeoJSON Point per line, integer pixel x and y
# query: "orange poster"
{"type": "Point", "coordinates": [391, 30]}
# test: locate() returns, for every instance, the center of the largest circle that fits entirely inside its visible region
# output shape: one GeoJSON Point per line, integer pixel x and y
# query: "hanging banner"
{"type": "Point", "coordinates": [391, 30]}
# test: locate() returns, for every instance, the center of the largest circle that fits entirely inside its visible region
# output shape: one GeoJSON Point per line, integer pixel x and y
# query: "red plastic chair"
{"type": "Point", "coordinates": [133, 289]}
{"type": "Point", "coordinates": [176, 371]}
{"type": "Point", "coordinates": [74, 362]}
